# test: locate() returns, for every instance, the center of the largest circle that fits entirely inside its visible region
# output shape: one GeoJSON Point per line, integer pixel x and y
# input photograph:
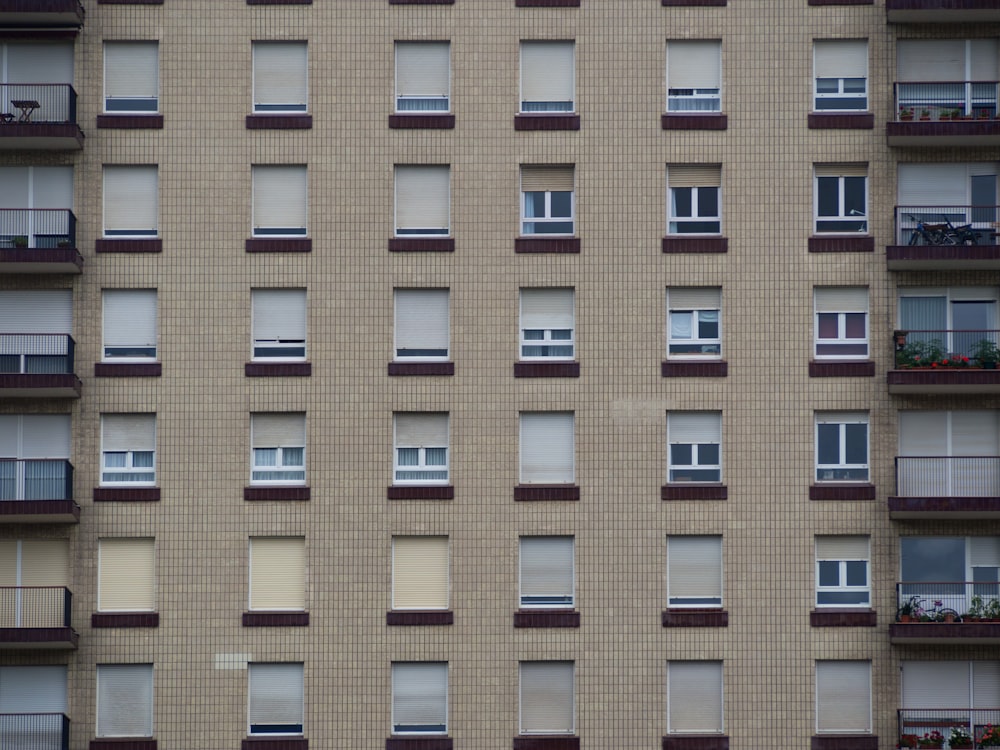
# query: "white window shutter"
{"type": "Point", "coordinates": [124, 700]}
{"type": "Point", "coordinates": [130, 317]}
{"type": "Point", "coordinates": [843, 696]}
{"type": "Point", "coordinates": [936, 684]}
{"type": "Point", "coordinates": [694, 64]}
{"type": "Point", "coordinates": [694, 298]}
{"type": "Point", "coordinates": [36, 311]}
{"type": "Point", "coordinates": [694, 175]}
{"type": "Point", "coordinates": [547, 71]}
{"type": "Point", "coordinates": [422, 69]}
{"type": "Point", "coordinates": [840, 58]}
{"type": "Point", "coordinates": [547, 308]}
{"type": "Point", "coordinates": [930, 60]}
{"type": "Point", "coordinates": [421, 319]}
{"type": "Point", "coordinates": [421, 430]}
{"type": "Point", "coordinates": [420, 572]}
{"type": "Point", "coordinates": [279, 314]}
{"type": "Point", "coordinates": [39, 63]}
{"type": "Point", "coordinates": [694, 427]}
{"type": "Point", "coordinates": [280, 199]}
{"type": "Point", "coordinates": [131, 70]}
{"type": "Point", "coordinates": [923, 433]}
{"type": "Point", "coordinates": [278, 573]}
{"type": "Point", "coordinates": [130, 199]}
{"type": "Point", "coordinates": [547, 448]}
{"type": "Point", "coordinates": [276, 695]}
{"type": "Point", "coordinates": [274, 430]}
{"type": "Point", "coordinates": [125, 575]}
{"type": "Point", "coordinates": [44, 562]}
{"type": "Point", "coordinates": [694, 566]}
{"type": "Point", "coordinates": [838, 299]}
{"type": "Point", "coordinates": [45, 436]}
{"type": "Point", "coordinates": [974, 433]}
{"type": "Point", "coordinates": [842, 548]}
{"type": "Point", "coordinates": [419, 695]}
{"type": "Point", "coordinates": [546, 566]}
{"type": "Point", "coordinates": [547, 697]}
{"type": "Point", "coordinates": [931, 185]}
{"type": "Point", "coordinates": [984, 551]}
{"type": "Point", "coordinates": [985, 684]}
{"type": "Point", "coordinates": [547, 177]}
{"type": "Point", "coordinates": [52, 187]}
{"type": "Point", "coordinates": [128, 432]}
{"type": "Point", "coordinates": [33, 690]}
{"type": "Point", "coordinates": [840, 170]}
{"type": "Point", "coordinates": [280, 75]}
{"type": "Point", "coordinates": [694, 697]}
{"type": "Point", "coordinates": [422, 197]}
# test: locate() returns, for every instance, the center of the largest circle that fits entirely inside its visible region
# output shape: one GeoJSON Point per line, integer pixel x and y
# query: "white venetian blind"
{"type": "Point", "coordinates": [130, 199]}
{"type": "Point", "coordinates": [421, 320]}
{"type": "Point", "coordinates": [694, 567]}
{"type": "Point", "coordinates": [923, 433]}
{"type": "Point", "coordinates": [694, 298]}
{"type": "Point", "coordinates": [843, 696]}
{"type": "Point", "coordinates": [928, 60]}
{"type": "Point", "coordinates": [547, 308]}
{"type": "Point", "coordinates": [932, 185]}
{"type": "Point", "coordinates": [694, 64]}
{"type": "Point", "coordinates": [279, 314]}
{"type": "Point", "coordinates": [840, 58]}
{"type": "Point", "coordinates": [45, 436]}
{"type": "Point", "coordinates": [280, 198]}
{"type": "Point", "coordinates": [546, 177]}
{"type": "Point", "coordinates": [838, 299]}
{"type": "Point", "coordinates": [130, 317]}
{"type": "Point", "coordinates": [277, 430]}
{"type": "Point", "coordinates": [33, 690]}
{"type": "Point", "coordinates": [936, 684]}
{"type": "Point", "coordinates": [280, 75]}
{"type": "Point", "coordinates": [547, 566]}
{"type": "Point", "coordinates": [278, 573]}
{"type": "Point", "coordinates": [694, 427]}
{"type": "Point", "coordinates": [547, 71]}
{"type": "Point", "coordinates": [276, 695]}
{"type": "Point", "coordinates": [420, 572]}
{"type": "Point", "coordinates": [422, 69]}
{"type": "Point", "coordinates": [694, 175]}
{"type": "Point", "coordinates": [131, 70]}
{"type": "Point", "coordinates": [421, 429]}
{"type": "Point", "coordinates": [841, 548]}
{"type": "Point", "coordinates": [422, 197]}
{"type": "Point", "coordinates": [124, 700]}
{"type": "Point", "coordinates": [128, 432]}
{"type": "Point", "coordinates": [694, 696]}
{"type": "Point", "coordinates": [125, 576]}
{"type": "Point", "coordinates": [547, 448]}
{"type": "Point", "coordinates": [547, 697]}
{"type": "Point", "coordinates": [419, 695]}
{"type": "Point", "coordinates": [36, 311]}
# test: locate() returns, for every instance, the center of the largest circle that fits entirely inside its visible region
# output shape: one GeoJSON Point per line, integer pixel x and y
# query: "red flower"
{"type": "Point", "coordinates": [944, 361]}
{"type": "Point", "coordinates": [933, 364]}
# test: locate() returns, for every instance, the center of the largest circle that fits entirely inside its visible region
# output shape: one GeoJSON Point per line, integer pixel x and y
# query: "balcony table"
{"type": "Point", "coordinates": [27, 107]}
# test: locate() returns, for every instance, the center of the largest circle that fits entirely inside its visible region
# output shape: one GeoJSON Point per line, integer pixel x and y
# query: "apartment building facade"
{"type": "Point", "coordinates": [546, 374]}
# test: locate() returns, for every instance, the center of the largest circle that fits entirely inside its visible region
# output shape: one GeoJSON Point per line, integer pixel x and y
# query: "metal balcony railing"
{"type": "Point", "coordinates": [970, 721]}
{"type": "Point", "coordinates": [947, 476]}
{"type": "Point", "coordinates": [947, 225]}
{"type": "Point", "coordinates": [935, 599]}
{"type": "Point", "coordinates": [56, 103]}
{"type": "Point", "coordinates": [36, 353]}
{"type": "Point", "coordinates": [37, 228]}
{"type": "Point", "coordinates": [35, 479]}
{"type": "Point", "coordinates": [946, 100]}
{"type": "Point", "coordinates": [924, 348]}
{"type": "Point", "coordinates": [35, 607]}
{"type": "Point", "coordinates": [40, 731]}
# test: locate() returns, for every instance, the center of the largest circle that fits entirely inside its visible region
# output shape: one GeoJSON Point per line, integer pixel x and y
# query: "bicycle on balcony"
{"type": "Point", "coordinates": [941, 234]}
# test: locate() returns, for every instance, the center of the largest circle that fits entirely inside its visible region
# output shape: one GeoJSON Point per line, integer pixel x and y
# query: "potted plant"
{"type": "Point", "coordinates": [976, 609]}
{"type": "Point", "coordinates": [925, 114]}
{"type": "Point", "coordinates": [931, 739]}
{"type": "Point", "coordinates": [990, 736]}
{"type": "Point", "coordinates": [907, 740]}
{"type": "Point", "coordinates": [959, 739]}
{"type": "Point", "coordinates": [905, 113]}
{"type": "Point", "coordinates": [992, 613]}
{"type": "Point", "coordinates": [984, 114]}
{"type": "Point", "coordinates": [986, 353]}
{"type": "Point", "coordinates": [910, 610]}
{"type": "Point", "coordinates": [20, 241]}
{"type": "Point", "coordinates": [920, 354]}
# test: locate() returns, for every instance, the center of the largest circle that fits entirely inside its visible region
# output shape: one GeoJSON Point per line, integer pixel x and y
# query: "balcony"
{"type": "Point", "coordinates": [41, 13]}
{"type": "Point", "coordinates": [36, 617]}
{"type": "Point", "coordinates": [37, 491]}
{"type": "Point", "coordinates": [943, 612]}
{"type": "Point", "coordinates": [945, 238]}
{"type": "Point", "coordinates": [37, 365]}
{"type": "Point", "coordinates": [970, 721]}
{"type": "Point", "coordinates": [949, 487]}
{"type": "Point", "coordinates": [957, 113]}
{"type": "Point", "coordinates": [943, 361]}
{"type": "Point", "coordinates": [39, 117]}
{"type": "Point", "coordinates": [942, 11]}
{"type": "Point", "coordinates": [38, 240]}
{"type": "Point", "coordinates": [34, 731]}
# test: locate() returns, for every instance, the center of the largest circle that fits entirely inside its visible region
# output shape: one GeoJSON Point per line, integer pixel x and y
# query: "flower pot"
{"type": "Point", "coordinates": [989, 365]}
{"type": "Point", "coordinates": [949, 618]}
{"type": "Point", "coordinates": [906, 618]}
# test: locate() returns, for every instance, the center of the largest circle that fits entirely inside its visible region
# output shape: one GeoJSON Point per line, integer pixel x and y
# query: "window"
{"type": "Point", "coordinates": [33, 690]}
{"type": "Point", "coordinates": [841, 447]}
{"type": "Point", "coordinates": [547, 193]}
{"type": "Point", "coordinates": [420, 698]}
{"type": "Point", "coordinates": [36, 447]}
{"type": "Point", "coordinates": [694, 697]}
{"type": "Point", "coordinates": [279, 448]}
{"type": "Point", "coordinates": [278, 573]}
{"type": "Point", "coordinates": [423, 199]}
{"type": "Point", "coordinates": [841, 71]}
{"type": "Point", "coordinates": [421, 448]}
{"type": "Point", "coordinates": [694, 441]}
{"type": "Point", "coordinates": [420, 572]}
{"type": "Point", "coordinates": [547, 697]}
{"type": "Point", "coordinates": [841, 322]}
{"type": "Point", "coordinates": [943, 75]}
{"type": "Point", "coordinates": [276, 698]}
{"type": "Point", "coordinates": [131, 77]}
{"type": "Point", "coordinates": [842, 571]}
{"type": "Point", "coordinates": [36, 188]}
{"type": "Point", "coordinates": [954, 319]}
{"type": "Point", "coordinates": [129, 325]}
{"type": "Point", "coordinates": [33, 577]}
{"type": "Point", "coordinates": [280, 200]}
{"type": "Point", "coordinates": [421, 324]}
{"type": "Point", "coordinates": [23, 66]}
{"type": "Point", "coordinates": [547, 448]}
{"type": "Point", "coordinates": [841, 198]}
{"type": "Point", "coordinates": [128, 449]}
{"type": "Point", "coordinates": [694, 571]}
{"type": "Point", "coordinates": [952, 570]}
{"type": "Point", "coordinates": [971, 690]}
{"type": "Point", "coordinates": [280, 77]}
{"type": "Point", "coordinates": [547, 323]}
{"type": "Point", "coordinates": [693, 322]}
{"type": "Point", "coordinates": [547, 77]}
{"type": "Point", "coordinates": [948, 453]}
{"type": "Point", "coordinates": [131, 201]}
{"type": "Point", "coordinates": [843, 697]}
{"type": "Point", "coordinates": [694, 76]}
{"type": "Point", "coordinates": [125, 578]}
{"type": "Point", "coordinates": [547, 572]}
{"type": "Point", "coordinates": [694, 205]}
{"type": "Point", "coordinates": [962, 193]}
{"type": "Point", "coordinates": [423, 77]}
{"type": "Point", "coordinates": [279, 323]}
{"type": "Point", "coordinates": [124, 700]}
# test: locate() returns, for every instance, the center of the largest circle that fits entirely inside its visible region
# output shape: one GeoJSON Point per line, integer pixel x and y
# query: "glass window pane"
{"type": "Point", "coordinates": [827, 323]}
{"type": "Point", "coordinates": [855, 325]}
{"type": "Point", "coordinates": [533, 334]}
{"type": "Point", "coordinates": [293, 456]}
{"type": "Point", "coordinates": [829, 573]}
{"type": "Point", "coordinates": [827, 85]}
{"type": "Point", "coordinates": [562, 204]}
{"type": "Point", "coordinates": [932, 558]}
{"type": "Point", "coordinates": [857, 443]}
{"type": "Point", "coordinates": [562, 334]}
{"type": "Point", "coordinates": [534, 205]}
{"type": "Point", "coordinates": [407, 456]}
{"type": "Point", "coordinates": [115, 460]}
{"type": "Point", "coordinates": [854, 196]}
{"type": "Point", "coordinates": [435, 456]}
{"type": "Point", "coordinates": [265, 456]}
{"type": "Point", "coordinates": [708, 201]}
{"type": "Point", "coordinates": [857, 573]}
{"type": "Point", "coordinates": [708, 453]}
{"type": "Point", "coordinates": [682, 201]}
{"type": "Point", "coordinates": [828, 444]}
{"type": "Point", "coordinates": [854, 85]}
{"type": "Point", "coordinates": [142, 459]}
{"type": "Point", "coordinates": [828, 196]}
{"type": "Point", "coordinates": [680, 454]}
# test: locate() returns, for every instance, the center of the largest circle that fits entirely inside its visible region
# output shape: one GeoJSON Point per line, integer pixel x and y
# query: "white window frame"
{"type": "Point", "coordinates": [417, 99]}
{"type": "Point", "coordinates": [700, 602]}
{"type": "Point", "coordinates": [279, 465]}
{"type": "Point", "coordinates": [403, 550]}
{"type": "Point", "coordinates": [676, 221]}
{"type": "Point", "coordinates": [675, 308]}
{"type": "Point", "coordinates": [301, 172]}
{"type": "Point", "coordinates": [107, 350]}
{"type": "Point", "coordinates": [263, 108]}
{"type": "Point", "coordinates": [841, 339]}
{"type": "Point", "coordinates": [125, 109]}
{"type": "Point", "coordinates": [847, 222]}
{"type": "Point", "coordinates": [435, 328]}
{"type": "Point", "coordinates": [546, 217]}
{"type": "Point", "coordinates": [699, 99]}
{"type": "Point", "coordinates": [260, 668]}
{"type": "Point", "coordinates": [852, 694]}
{"type": "Point", "coordinates": [259, 566]}
{"type": "Point", "coordinates": [841, 82]}
{"type": "Point", "coordinates": [136, 549]}
{"type": "Point", "coordinates": [140, 172]}
{"type": "Point", "coordinates": [548, 338]}
{"type": "Point", "coordinates": [842, 587]}
{"type": "Point", "coordinates": [569, 731]}
{"type": "Point", "coordinates": [422, 466]}
{"type": "Point", "coordinates": [838, 472]}
{"type": "Point", "coordinates": [129, 467]}
{"type": "Point", "coordinates": [405, 729]}
{"type": "Point", "coordinates": [560, 106]}
{"type": "Point", "coordinates": [706, 664]}
{"type": "Point", "coordinates": [428, 176]}
{"type": "Point", "coordinates": [104, 673]}
{"type": "Point", "coordinates": [554, 600]}
{"type": "Point", "coordinates": [279, 343]}
{"type": "Point", "coordinates": [696, 449]}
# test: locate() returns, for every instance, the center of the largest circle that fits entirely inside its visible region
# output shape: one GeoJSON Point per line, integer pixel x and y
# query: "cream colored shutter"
{"type": "Point", "coordinates": [843, 696]}
{"type": "Point", "coordinates": [694, 64]}
{"type": "Point", "coordinates": [923, 433]}
{"type": "Point", "coordinates": [547, 697]}
{"type": "Point", "coordinates": [974, 433]}
{"type": "Point", "coordinates": [547, 567]}
{"type": "Point", "coordinates": [547, 71]}
{"type": "Point", "coordinates": [278, 430]}
{"type": "Point", "coordinates": [280, 76]}
{"type": "Point", "coordinates": [421, 430]}
{"type": "Point", "coordinates": [694, 427]}
{"type": "Point", "coordinates": [838, 299]}
{"type": "Point", "coordinates": [984, 551]}
{"type": "Point", "coordinates": [930, 60]}
{"type": "Point", "coordinates": [9, 557]}
{"type": "Point", "coordinates": [279, 314]}
{"type": "Point", "coordinates": [276, 696]}
{"type": "Point", "coordinates": [52, 187]}
{"type": "Point", "coordinates": [421, 319]}
{"type": "Point", "coordinates": [419, 695]}
{"type": "Point", "coordinates": [422, 69]}
{"type": "Point", "coordinates": [128, 432]}
{"type": "Point", "coordinates": [841, 170]}
{"type": "Point", "coordinates": [694, 567]}
{"type": "Point", "coordinates": [926, 186]}
{"type": "Point", "coordinates": [36, 311]}
{"type": "Point", "coordinates": [841, 548]}
{"type": "Point", "coordinates": [936, 684]}
{"type": "Point", "coordinates": [124, 700]}
{"type": "Point", "coordinates": [546, 177]}
{"type": "Point", "coordinates": [420, 572]}
{"type": "Point", "coordinates": [694, 175]}
{"type": "Point", "coordinates": [125, 577]}
{"type": "Point", "coordinates": [547, 448]}
{"type": "Point", "coordinates": [130, 317]}
{"type": "Point", "coordinates": [547, 308]}
{"type": "Point", "coordinates": [280, 199]}
{"type": "Point", "coordinates": [694, 696]}
{"type": "Point", "coordinates": [278, 573]}
{"type": "Point", "coordinates": [422, 198]}
{"type": "Point", "coordinates": [131, 71]}
{"type": "Point", "coordinates": [130, 199]}
{"type": "Point", "coordinates": [840, 58]}
{"type": "Point", "coordinates": [44, 562]}
{"type": "Point", "coordinates": [694, 298]}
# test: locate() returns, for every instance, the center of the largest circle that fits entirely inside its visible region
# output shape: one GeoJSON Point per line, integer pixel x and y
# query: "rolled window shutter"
{"type": "Point", "coordinates": [843, 696]}
{"type": "Point", "coordinates": [276, 694]}
{"type": "Point", "coordinates": [936, 684]}
{"type": "Point", "coordinates": [279, 314]}
{"type": "Point", "coordinates": [983, 59]}
{"type": "Point", "coordinates": [840, 58]}
{"type": "Point", "coordinates": [422, 69]}
{"type": "Point", "coordinates": [546, 177]}
{"type": "Point", "coordinates": [841, 170]}
{"type": "Point", "coordinates": [36, 311]}
{"type": "Point", "coordinates": [420, 572]}
{"type": "Point", "coordinates": [129, 317]}
{"type": "Point", "coordinates": [39, 63]}
{"type": "Point", "coordinates": [9, 556]}
{"type": "Point", "coordinates": [694, 64]}
{"type": "Point", "coordinates": [421, 318]}
{"type": "Point", "coordinates": [130, 198]}
{"type": "Point", "coordinates": [929, 60]}
{"type": "Point", "coordinates": [45, 436]}
{"type": "Point", "coordinates": [694, 175]}
{"type": "Point", "coordinates": [547, 308]}
{"type": "Point", "coordinates": [984, 551]}
{"type": "Point", "coordinates": [923, 433]}
{"type": "Point", "coordinates": [547, 71]}
{"type": "Point", "coordinates": [280, 74]}
{"type": "Point", "coordinates": [841, 417]}
{"type": "Point", "coordinates": [44, 562]}
{"type": "Point", "coordinates": [694, 566]}
{"type": "Point", "coordinates": [14, 184]}
{"type": "Point", "coordinates": [419, 694]}
{"type": "Point", "coordinates": [278, 430]}
{"type": "Point", "coordinates": [128, 432]}
{"type": "Point", "coordinates": [694, 427]}
{"type": "Point", "coordinates": [421, 430]}
{"type": "Point", "coordinates": [278, 573]}
{"type": "Point", "coordinates": [547, 566]}
{"type": "Point", "coordinates": [547, 697]}
{"type": "Point", "coordinates": [694, 696]}
{"type": "Point", "coordinates": [10, 438]}
{"type": "Point", "coordinates": [838, 299]}
{"type": "Point", "coordinates": [422, 197]}
{"type": "Point", "coordinates": [932, 185]}
{"type": "Point", "coordinates": [280, 196]}
{"type": "Point", "coordinates": [52, 187]}
{"type": "Point", "coordinates": [694, 298]}
{"type": "Point", "coordinates": [126, 579]}
{"type": "Point", "coordinates": [124, 700]}
{"type": "Point", "coordinates": [974, 433]}
{"type": "Point", "coordinates": [842, 548]}
{"type": "Point", "coordinates": [547, 447]}
{"type": "Point", "coordinates": [131, 70]}
{"type": "Point", "coordinates": [34, 690]}
{"type": "Point", "coordinates": [985, 684]}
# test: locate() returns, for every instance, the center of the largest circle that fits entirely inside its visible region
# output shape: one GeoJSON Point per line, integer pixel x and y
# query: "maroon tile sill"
{"type": "Point", "coordinates": [130, 2]}
{"type": "Point", "coordinates": [958, 253]}
{"type": "Point", "coordinates": [268, 743]}
{"type": "Point", "coordinates": [421, 2]}
{"type": "Point", "coordinates": [126, 494]}
{"type": "Point", "coordinates": [694, 618]}
{"type": "Point", "coordinates": [422, 122]}
{"type": "Point", "coordinates": [40, 509]}
{"type": "Point", "coordinates": [841, 369]}
{"type": "Point", "coordinates": [681, 244]}
{"type": "Point", "coordinates": [275, 619]}
{"type": "Point", "coordinates": [125, 620]}
{"type": "Point", "coordinates": [560, 742]}
{"type": "Point", "coordinates": [421, 245]}
{"type": "Point", "coordinates": [421, 368]}
{"type": "Point", "coordinates": [65, 383]}
{"type": "Point", "coordinates": [123, 743]}
{"type": "Point", "coordinates": [691, 369]}
{"type": "Point", "coordinates": [843, 741]}
{"type": "Point", "coordinates": [128, 246]}
{"type": "Point", "coordinates": [713, 121]}
{"type": "Point", "coordinates": [429, 492]}
{"type": "Point", "coordinates": [21, 637]}
{"type": "Point", "coordinates": [279, 2]}
{"type": "Point", "coordinates": [280, 122]}
{"type": "Point", "coordinates": [128, 369]}
{"type": "Point", "coordinates": [279, 245]}
{"type": "Point", "coordinates": [418, 743]}
{"type": "Point", "coordinates": [696, 742]}
{"type": "Point", "coordinates": [546, 369]}
{"type": "Point", "coordinates": [130, 122]}
{"type": "Point", "coordinates": [842, 618]}
{"type": "Point", "coordinates": [842, 244]}
{"type": "Point", "coordinates": [423, 617]}
{"type": "Point", "coordinates": [276, 493]}
{"type": "Point", "coordinates": [961, 128]}
{"type": "Point", "coordinates": [547, 3]}
{"type": "Point", "coordinates": [63, 256]}
{"type": "Point", "coordinates": [683, 491]}
{"type": "Point", "coordinates": [841, 121]}
{"type": "Point", "coordinates": [530, 618]}
{"type": "Point", "coordinates": [694, 3]}
{"type": "Point", "coordinates": [964, 505]}
{"type": "Point", "coordinates": [547, 122]}
{"type": "Point", "coordinates": [945, 630]}
{"type": "Point", "coordinates": [559, 492]}
{"type": "Point", "coordinates": [277, 369]}
{"type": "Point", "coordinates": [547, 245]}
{"type": "Point", "coordinates": [943, 377]}
{"type": "Point", "coordinates": [834, 491]}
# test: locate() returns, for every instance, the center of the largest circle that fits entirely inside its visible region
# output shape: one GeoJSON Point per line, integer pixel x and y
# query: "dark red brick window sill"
{"type": "Point", "coordinates": [277, 369]}
{"type": "Point", "coordinates": [569, 245]}
{"type": "Point", "coordinates": [130, 122]}
{"type": "Point", "coordinates": [694, 3]}
{"type": "Point", "coordinates": [682, 244]}
{"type": "Point", "coordinates": [530, 618]}
{"type": "Point", "coordinates": [279, 2]}
{"type": "Point", "coordinates": [123, 743]}
{"type": "Point", "coordinates": [694, 618]}
{"type": "Point", "coordinates": [534, 492]}
{"type": "Point", "coordinates": [715, 121]}
{"type": "Point", "coordinates": [696, 742]}
{"type": "Point", "coordinates": [546, 369]}
{"type": "Point", "coordinates": [127, 369]}
{"type": "Point", "coordinates": [422, 617]}
{"type": "Point", "coordinates": [841, 2]}
{"type": "Point", "coordinates": [275, 619]}
{"type": "Point", "coordinates": [429, 492]}
{"type": "Point", "coordinates": [276, 493]}
{"type": "Point", "coordinates": [560, 742]}
{"type": "Point", "coordinates": [547, 3]}
{"type": "Point", "coordinates": [691, 369]}
{"type": "Point", "coordinates": [421, 368]}
{"type": "Point", "coordinates": [130, 2]}
{"type": "Point", "coordinates": [421, 245]}
{"type": "Point", "coordinates": [844, 369]}
{"type": "Point", "coordinates": [422, 122]}
{"type": "Point", "coordinates": [842, 492]}
{"type": "Point", "coordinates": [842, 618]}
{"type": "Point", "coordinates": [421, 2]}
{"type": "Point", "coordinates": [125, 620]}
{"type": "Point", "coordinates": [860, 244]}
{"type": "Point", "coordinates": [418, 743]}
{"type": "Point", "coordinates": [127, 494]}
{"type": "Point", "coordinates": [546, 122]}
{"type": "Point", "coordinates": [843, 741]}
{"type": "Point", "coordinates": [841, 121]}
{"type": "Point", "coordinates": [279, 122]}
{"type": "Point", "coordinates": [279, 245]}
{"type": "Point", "coordinates": [268, 743]}
{"type": "Point", "coordinates": [128, 246]}
{"type": "Point", "coordinates": [682, 491]}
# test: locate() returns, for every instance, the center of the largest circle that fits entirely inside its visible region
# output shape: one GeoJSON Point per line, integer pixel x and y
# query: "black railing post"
{"type": "Point", "coordinates": [70, 347]}
{"type": "Point", "coordinates": [65, 732]}
{"type": "Point", "coordinates": [68, 489]}
{"type": "Point", "coordinates": [71, 227]}
{"type": "Point", "coordinates": [72, 105]}
{"type": "Point", "coordinates": [67, 608]}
